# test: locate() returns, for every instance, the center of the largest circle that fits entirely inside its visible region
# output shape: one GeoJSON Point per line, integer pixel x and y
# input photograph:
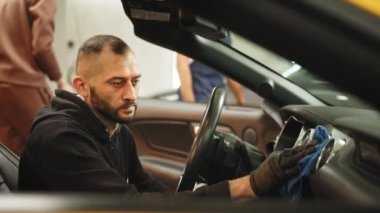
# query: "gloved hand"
{"type": "Point", "coordinates": [277, 168]}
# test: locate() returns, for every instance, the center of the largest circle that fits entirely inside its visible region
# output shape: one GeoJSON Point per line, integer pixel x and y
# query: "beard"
{"type": "Point", "coordinates": [108, 112]}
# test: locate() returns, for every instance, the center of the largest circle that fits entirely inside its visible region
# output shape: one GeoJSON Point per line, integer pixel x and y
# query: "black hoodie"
{"type": "Point", "coordinates": [70, 150]}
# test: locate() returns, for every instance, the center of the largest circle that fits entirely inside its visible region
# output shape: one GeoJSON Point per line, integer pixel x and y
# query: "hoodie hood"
{"type": "Point", "coordinates": [70, 106]}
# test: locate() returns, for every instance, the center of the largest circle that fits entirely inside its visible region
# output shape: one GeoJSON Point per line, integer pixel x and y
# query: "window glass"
{"type": "Point", "coordinates": [294, 72]}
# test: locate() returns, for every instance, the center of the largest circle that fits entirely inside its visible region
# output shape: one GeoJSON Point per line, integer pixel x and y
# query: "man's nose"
{"type": "Point", "coordinates": [129, 92]}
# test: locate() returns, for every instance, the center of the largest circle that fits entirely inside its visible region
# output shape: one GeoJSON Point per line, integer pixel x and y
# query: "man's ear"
{"type": "Point", "coordinates": [81, 86]}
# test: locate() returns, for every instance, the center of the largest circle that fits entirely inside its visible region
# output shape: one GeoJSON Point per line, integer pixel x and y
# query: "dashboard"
{"type": "Point", "coordinates": [296, 133]}
{"type": "Point", "coordinates": [348, 165]}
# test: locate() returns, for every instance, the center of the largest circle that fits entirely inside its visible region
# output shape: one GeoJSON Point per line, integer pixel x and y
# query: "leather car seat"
{"type": "Point", "coordinates": [8, 169]}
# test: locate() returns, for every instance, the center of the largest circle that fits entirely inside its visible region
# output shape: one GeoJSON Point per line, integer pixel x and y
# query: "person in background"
{"type": "Point", "coordinates": [81, 142]}
{"type": "Point", "coordinates": [198, 80]}
{"type": "Point", "coordinates": [26, 58]}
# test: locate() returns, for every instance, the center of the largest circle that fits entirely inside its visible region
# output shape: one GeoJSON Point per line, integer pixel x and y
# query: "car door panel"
{"type": "Point", "coordinates": [164, 135]}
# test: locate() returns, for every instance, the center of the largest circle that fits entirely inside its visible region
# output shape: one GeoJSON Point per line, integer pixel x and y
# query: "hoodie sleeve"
{"type": "Point", "coordinates": [71, 162]}
{"type": "Point", "coordinates": [42, 14]}
{"type": "Point", "coordinates": [146, 183]}
{"type": "Point", "coordinates": [138, 176]}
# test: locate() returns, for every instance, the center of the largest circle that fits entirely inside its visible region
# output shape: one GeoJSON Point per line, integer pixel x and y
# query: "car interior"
{"type": "Point", "coordinates": [186, 144]}
{"type": "Point", "coordinates": [268, 127]}
{"type": "Point", "coordinates": [9, 170]}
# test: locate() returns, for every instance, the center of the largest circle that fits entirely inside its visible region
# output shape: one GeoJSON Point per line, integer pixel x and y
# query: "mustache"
{"type": "Point", "coordinates": [128, 104]}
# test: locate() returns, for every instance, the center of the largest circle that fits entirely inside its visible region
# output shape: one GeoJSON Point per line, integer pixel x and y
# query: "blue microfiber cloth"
{"type": "Point", "coordinates": [293, 188]}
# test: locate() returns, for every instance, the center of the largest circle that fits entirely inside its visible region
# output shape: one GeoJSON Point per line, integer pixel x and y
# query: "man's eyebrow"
{"type": "Point", "coordinates": [115, 78]}
{"type": "Point", "coordinates": [122, 78]}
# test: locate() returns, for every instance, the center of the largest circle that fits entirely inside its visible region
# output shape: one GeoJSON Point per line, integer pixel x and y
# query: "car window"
{"type": "Point", "coordinates": [297, 74]}
{"type": "Point", "coordinates": [250, 97]}
{"type": "Point", "coordinates": [291, 70]}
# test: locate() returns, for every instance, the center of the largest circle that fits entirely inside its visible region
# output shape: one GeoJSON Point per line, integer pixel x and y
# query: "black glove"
{"type": "Point", "coordinates": [277, 168]}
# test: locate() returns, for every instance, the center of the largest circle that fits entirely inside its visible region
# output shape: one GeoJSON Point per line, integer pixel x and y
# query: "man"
{"type": "Point", "coordinates": [81, 142]}
{"type": "Point", "coordinates": [198, 80]}
{"type": "Point", "coordinates": [26, 58]}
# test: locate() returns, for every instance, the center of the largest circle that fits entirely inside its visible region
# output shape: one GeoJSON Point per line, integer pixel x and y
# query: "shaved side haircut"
{"type": "Point", "coordinates": [92, 48]}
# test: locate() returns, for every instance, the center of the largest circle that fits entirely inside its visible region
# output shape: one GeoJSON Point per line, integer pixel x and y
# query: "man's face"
{"type": "Point", "coordinates": [113, 114]}
{"type": "Point", "coordinates": [113, 91]}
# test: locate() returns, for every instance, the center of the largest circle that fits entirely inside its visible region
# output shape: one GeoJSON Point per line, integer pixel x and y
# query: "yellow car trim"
{"type": "Point", "coordinates": [371, 6]}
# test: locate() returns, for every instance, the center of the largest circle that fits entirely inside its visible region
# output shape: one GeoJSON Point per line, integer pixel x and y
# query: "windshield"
{"type": "Point", "coordinates": [297, 74]}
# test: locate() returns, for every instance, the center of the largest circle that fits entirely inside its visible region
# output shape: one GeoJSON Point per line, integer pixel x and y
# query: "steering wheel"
{"type": "Point", "coordinates": [197, 154]}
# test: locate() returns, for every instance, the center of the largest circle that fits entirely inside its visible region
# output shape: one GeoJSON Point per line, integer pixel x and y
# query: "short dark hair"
{"type": "Point", "coordinates": [94, 46]}
{"type": "Point", "coordinates": [96, 43]}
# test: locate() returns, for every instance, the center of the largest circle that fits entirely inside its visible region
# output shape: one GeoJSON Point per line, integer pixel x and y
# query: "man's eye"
{"type": "Point", "coordinates": [117, 84]}
{"type": "Point", "coordinates": [135, 82]}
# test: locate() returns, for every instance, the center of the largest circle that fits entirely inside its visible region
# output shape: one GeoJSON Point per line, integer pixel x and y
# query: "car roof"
{"type": "Point", "coordinates": [336, 40]}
